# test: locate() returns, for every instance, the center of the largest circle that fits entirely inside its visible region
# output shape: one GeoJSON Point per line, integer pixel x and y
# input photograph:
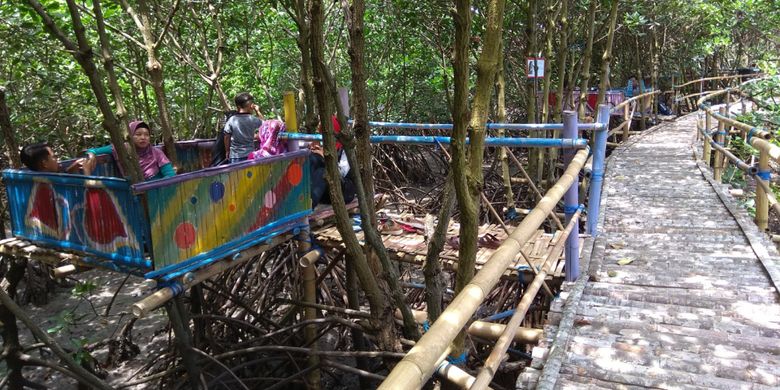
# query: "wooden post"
{"type": "Point", "coordinates": [309, 274]}
{"type": "Point", "coordinates": [627, 122]}
{"type": "Point", "coordinates": [762, 204]}
{"type": "Point", "coordinates": [707, 147]}
{"type": "Point", "coordinates": [642, 104]}
{"type": "Point", "coordinates": [183, 339]}
{"type": "Point", "coordinates": [720, 137]}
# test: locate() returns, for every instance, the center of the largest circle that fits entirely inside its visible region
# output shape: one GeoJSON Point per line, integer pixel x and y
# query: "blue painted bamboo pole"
{"type": "Point", "coordinates": [490, 126]}
{"type": "Point", "coordinates": [571, 201]}
{"type": "Point", "coordinates": [597, 172]}
{"type": "Point", "coordinates": [433, 140]}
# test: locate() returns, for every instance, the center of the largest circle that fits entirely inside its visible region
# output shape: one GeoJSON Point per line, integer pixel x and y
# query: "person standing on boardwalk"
{"type": "Point", "coordinates": [240, 129]}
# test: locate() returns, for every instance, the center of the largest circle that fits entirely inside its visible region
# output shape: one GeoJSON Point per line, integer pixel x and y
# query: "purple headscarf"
{"type": "Point", "coordinates": [269, 140]}
{"type": "Point", "coordinates": [149, 158]}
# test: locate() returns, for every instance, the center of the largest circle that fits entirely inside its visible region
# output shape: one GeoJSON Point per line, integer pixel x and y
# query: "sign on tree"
{"type": "Point", "coordinates": [535, 67]}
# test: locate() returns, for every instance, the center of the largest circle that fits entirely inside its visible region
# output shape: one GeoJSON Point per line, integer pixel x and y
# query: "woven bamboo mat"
{"type": "Point", "coordinates": [411, 248]}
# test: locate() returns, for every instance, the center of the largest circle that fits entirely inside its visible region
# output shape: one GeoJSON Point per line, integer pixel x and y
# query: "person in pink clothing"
{"type": "Point", "coordinates": [270, 145]}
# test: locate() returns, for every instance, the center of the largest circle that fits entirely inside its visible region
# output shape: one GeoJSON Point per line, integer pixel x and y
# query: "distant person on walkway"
{"type": "Point", "coordinates": [153, 161]}
{"type": "Point", "coordinates": [240, 129]}
{"type": "Point", "coordinates": [631, 86]}
{"type": "Point", "coordinates": [40, 157]}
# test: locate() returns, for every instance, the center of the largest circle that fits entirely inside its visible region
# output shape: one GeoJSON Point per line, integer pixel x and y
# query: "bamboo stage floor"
{"type": "Point", "coordinates": [412, 247]}
{"type": "Point", "coordinates": [682, 291]}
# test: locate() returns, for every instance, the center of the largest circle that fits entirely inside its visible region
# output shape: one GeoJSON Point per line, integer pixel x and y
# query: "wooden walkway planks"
{"type": "Point", "coordinates": [694, 309]}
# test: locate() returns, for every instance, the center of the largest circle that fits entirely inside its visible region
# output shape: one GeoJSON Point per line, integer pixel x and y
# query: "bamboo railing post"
{"type": "Point", "coordinates": [183, 339]}
{"type": "Point", "coordinates": [642, 104]}
{"type": "Point", "coordinates": [728, 102]}
{"type": "Point", "coordinates": [309, 275]}
{"type": "Point", "coordinates": [571, 197]}
{"type": "Point", "coordinates": [597, 172]}
{"type": "Point", "coordinates": [626, 122]}
{"type": "Point", "coordinates": [707, 129]}
{"type": "Point", "coordinates": [720, 138]}
{"type": "Point", "coordinates": [762, 204]}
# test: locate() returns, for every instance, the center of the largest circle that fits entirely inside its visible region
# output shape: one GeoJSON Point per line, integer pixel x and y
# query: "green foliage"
{"type": "Point", "coordinates": [62, 321]}
{"type": "Point", "coordinates": [84, 289]}
{"type": "Point", "coordinates": [408, 54]}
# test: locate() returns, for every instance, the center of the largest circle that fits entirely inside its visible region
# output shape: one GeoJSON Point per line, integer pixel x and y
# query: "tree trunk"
{"type": "Point", "coordinates": [467, 170]}
{"type": "Point", "coordinates": [501, 117]}
{"type": "Point", "coordinates": [310, 113]}
{"type": "Point", "coordinates": [549, 28]}
{"type": "Point", "coordinates": [155, 70]}
{"type": "Point", "coordinates": [381, 311]}
{"type": "Point", "coordinates": [434, 279]}
{"type": "Point", "coordinates": [587, 57]}
{"type": "Point", "coordinates": [108, 65]}
{"type": "Point", "coordinates": [607, 58]}
{"type": "Point", "coordinates": [535, 155]}
{"type": "Point", "coordinates": [10, 331]}
{"type": "Point", "coordinates": [563, 51]}
{"type": "Point", "coordinates": [364, 177]}
{"type": "Point", "coordinates": [82, 52]}
{"type": "Point", "coordinates": [11, 147]}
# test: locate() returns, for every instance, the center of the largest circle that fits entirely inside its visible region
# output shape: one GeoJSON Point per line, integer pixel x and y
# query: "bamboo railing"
{"type": "Point", "coordinates": [428, 354]}
{"type": "Point", "coordinates": [755, 137]}
{"type": "Point", "coordinates": [642, 100]}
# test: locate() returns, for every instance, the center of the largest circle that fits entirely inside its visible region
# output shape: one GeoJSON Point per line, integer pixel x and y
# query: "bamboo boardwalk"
{"type": "Point", "coordinates": [694, 308]}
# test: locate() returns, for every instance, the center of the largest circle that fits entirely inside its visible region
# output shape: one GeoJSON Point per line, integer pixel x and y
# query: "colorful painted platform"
{"type": "Point", "coordinates": [163, 228]}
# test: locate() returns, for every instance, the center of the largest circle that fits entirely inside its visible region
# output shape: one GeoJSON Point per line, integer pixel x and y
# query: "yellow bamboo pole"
{"type": "Point", "coordinates": [507, 337]}
{"type": "Point", "coordinates": [420, 363]}
{"type": "Point", "coordinates": [720, 138]}
{"type": "Point", "coordinates": [290, 120]}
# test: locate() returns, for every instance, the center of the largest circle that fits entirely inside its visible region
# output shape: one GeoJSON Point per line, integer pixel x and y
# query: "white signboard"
{"type": "Point", "coordinates": [535, 67]}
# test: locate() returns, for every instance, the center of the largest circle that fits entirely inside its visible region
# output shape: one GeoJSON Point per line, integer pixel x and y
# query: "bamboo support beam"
{"type": "Point", "coordinates": [455, 375]}
{"type": "Point", "coordinates": [420, 363]}
{"type": "Point", "coordinates": [484, 329]}
{"type": "Point", "coordinates": [492, 331]}
{"type": "Point", "coordinates": [165, 294]}
{"type": "Point", "coordinates": [490, 368]}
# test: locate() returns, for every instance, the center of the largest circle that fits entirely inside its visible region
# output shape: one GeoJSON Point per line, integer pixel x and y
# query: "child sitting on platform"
{"type": "Point", "coordinates": [41, 158]}
{"type": "Point", "coordinates": [154, 163]}
{"type": "Point", "coordinates": [270, 145]}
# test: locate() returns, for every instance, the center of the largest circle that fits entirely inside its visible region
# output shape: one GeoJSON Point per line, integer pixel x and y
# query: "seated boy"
{"type": "Point", "coordinates": [41, 158]}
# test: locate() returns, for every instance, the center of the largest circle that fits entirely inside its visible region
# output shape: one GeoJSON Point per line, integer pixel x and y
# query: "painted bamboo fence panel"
{"type": "Point", "coordinates": [193, 155]}
{"type": "Point", "coordinates": [95, 215]}
{"type": "Point", "coordinates": [203, 216]}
